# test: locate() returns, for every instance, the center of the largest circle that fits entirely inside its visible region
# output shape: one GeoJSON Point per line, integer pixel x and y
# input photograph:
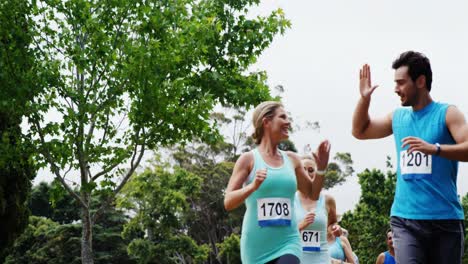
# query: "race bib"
{"type": "Point", "coordinates": [274, 212]}
{"type": "Point", "coordinates": [310, 240]}
{"type": "Point", "coordinates": [415, 162]}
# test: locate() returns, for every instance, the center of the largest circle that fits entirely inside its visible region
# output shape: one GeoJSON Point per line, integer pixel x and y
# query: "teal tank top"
{"type": "Point", "coordinates": [314, 236]}
{"type": "Point", "coordinates": [336, 250]}
{"type": "Point", "coordinates": [269, 228]}
{"type": "Point", "coordinates": [426, 186]}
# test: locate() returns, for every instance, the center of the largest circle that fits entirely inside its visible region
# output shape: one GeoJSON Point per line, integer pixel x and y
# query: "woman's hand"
{"type": "Point", "coordinates": [260, 176]}
{"type": "Point", "coordinates": [322, 155]}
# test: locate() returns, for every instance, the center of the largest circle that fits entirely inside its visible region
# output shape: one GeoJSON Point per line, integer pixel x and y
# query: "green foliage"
{"type": "Point", "coordinates": [206, 224]}
{"type": "Point", "coordinates": [63, 210]}
{"type": "Point", "coordinates": [213, 162]}
{"type": "Point", "coordinates": [20, 73]}
{"type": "Point", "coordinates": [16, 174]}
{"type": "Point", "coordinates": [338, 170]}
{"type": "Point", "coordinates": [45, 241]}
{"type": "Point", "coordinates": [164, 65]}
{"type": "Point", "coordinates": [17, 169]}
{"type": "Point", "coordinates": [109, 245]}
{"type": "Point", "coordinates": [211, 224]}
{"type": "Point", "coordinates": [158, 200]}
{"type": "Point", "coordinates": [229, 249]}
{"type": "Point", "coordinates": [368, 222]}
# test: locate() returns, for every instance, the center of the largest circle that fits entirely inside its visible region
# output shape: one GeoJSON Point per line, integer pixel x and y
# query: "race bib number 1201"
{"type": "Point", "coordinates": [415, 162]}
{"type": "Point", "coordinates": [274, 212]}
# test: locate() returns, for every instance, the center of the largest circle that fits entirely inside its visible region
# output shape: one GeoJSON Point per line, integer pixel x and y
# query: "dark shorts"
{"type": "Point", "coordinates": [427, 241]}
{"type": "Point", "coordinates": [285, 259]}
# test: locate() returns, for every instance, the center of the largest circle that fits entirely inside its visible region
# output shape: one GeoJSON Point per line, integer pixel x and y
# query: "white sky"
{"type": "Point", "coordinates": [318, 60]}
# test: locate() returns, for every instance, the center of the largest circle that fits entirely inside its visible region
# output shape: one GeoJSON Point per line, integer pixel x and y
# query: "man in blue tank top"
{"type": "Point", "coordinates": [387, 257]}
{"type": "Point", "coordinates": [430, 139]}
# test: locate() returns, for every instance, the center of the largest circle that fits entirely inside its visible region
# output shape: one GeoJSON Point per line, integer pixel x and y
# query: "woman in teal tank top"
{"type": "Point", "coordinates": [314, 218]}
{"type": "Point", "coordinates": [266, 179]}
{"type": "Point", "coordinates": [340, 249]}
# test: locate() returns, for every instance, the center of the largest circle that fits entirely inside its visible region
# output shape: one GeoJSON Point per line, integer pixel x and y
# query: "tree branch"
{"type": "Point", "coordinates": [90, 134]}
{"type": "Point", "coordinates": [54, 168]}
{"type": "Point", "coordinates": [104, 171]}
{"type": "Point", "coordinates": [133, 165]}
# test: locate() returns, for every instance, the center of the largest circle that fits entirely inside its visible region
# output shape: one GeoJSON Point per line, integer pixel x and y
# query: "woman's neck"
{"type": "Point", "coordinates": [268, 148]}
{"type": "Point", "coordinates": [307, 203]}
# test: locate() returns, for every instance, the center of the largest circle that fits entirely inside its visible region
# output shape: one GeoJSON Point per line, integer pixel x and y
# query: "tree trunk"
{"type": "Point", "coordinates": [86, 237]}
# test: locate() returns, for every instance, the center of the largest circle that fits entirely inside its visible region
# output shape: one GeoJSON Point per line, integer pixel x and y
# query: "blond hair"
{"type": "Point", "coordinates": [309, 158]}
{"type": "Point", "coordinates": [264, 110]}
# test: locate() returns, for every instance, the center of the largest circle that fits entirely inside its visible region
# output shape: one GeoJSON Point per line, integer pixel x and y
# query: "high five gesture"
{"type": "Point", "coordinates": [363, 126]}
{"type": "Point", "coordinates": [365, 82]}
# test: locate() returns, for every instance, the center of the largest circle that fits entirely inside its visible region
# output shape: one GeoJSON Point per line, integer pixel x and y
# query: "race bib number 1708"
{"type": "Point", "coordinates": [274, 212]}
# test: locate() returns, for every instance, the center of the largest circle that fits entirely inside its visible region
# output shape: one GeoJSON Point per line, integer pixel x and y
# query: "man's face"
{"type": "Point", "coordinates": [390, 239]}
{"type": "Point", "coordinates": [405, 87]}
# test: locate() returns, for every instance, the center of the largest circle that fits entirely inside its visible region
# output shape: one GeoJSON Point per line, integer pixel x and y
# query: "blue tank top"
{"type": "Point", "coordinates": [426, 186]}
{"type": "Point", "coordinates": [313, 254]}
{"type": "Point", "coordinates": [389, 259]}
{"type": "Point", "coordinates": [336, 250]}
{"type": "Point", "coordinates": [269, 228]}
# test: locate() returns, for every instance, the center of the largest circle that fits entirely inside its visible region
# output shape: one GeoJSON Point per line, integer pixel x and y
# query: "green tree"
{"type": "Point", "coordinates": [48, 242]}
{"type": "Point", "coordinates": [16, 174]}
{"type": "Point", "coordinates": [235, 127]}
{"type": "Point", "coordinates": [211, 224]}
{"type": "Point", "coordinates": [370, 219]}
{"type": "Point", "coordinates": [159, 201]}
{"type": "Point", "coordinates": [62, 209]}
{"type": "Point", "coordinates": [229, 250]}
{"type": "Point", "coordinates": [338, 170]}
{"type": "Point", "coordinates": [133, 75]}
{"type": "Point", "coordinates": [17, 65]}
{"type": "Point", "coordinates": [28, 248]}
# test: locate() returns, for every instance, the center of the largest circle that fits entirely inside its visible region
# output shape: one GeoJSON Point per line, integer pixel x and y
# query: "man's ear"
{"type": "Point", "coordinates": [421, 82]}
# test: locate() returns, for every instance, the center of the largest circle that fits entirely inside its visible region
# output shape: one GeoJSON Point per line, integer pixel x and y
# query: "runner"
{"type": "Point", "coordinates": [387, 257]}
{"type": "Point", "coordinates": [266, 179]}
{"type": "Point", "coordinates": [314, 217]}
{"type": "Point", "coordinates": [430, 139]}
{"type": "Point", "coordinates": [340, 249]}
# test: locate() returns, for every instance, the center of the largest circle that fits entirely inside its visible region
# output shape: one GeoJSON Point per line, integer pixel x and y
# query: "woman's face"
{"type": "Point", "coordinates": [280, 123]}
{"type": "Point", "coordinates": [309, 166]}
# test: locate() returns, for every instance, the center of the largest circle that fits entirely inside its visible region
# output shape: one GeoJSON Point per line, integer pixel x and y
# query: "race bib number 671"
{"type": "Point", "coordinates": [274, 212]}
{"type": "Point", "coordinates": [415, 162]}
{"type": "Point", "coordinates": [310, 240]}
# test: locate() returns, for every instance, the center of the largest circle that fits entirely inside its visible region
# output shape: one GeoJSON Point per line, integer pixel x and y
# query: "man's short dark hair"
{"type": "Point", "coordinates": [388, 231]}
{"type": "Point", "coordinates": [418, 65]}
